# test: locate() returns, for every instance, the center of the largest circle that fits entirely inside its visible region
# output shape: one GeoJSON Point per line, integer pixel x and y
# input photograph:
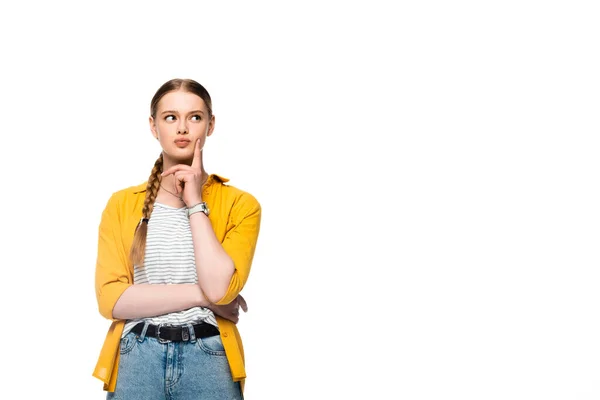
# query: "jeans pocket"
{"type": "Point", "coordinates": [212, 345]}
{"type": "Point", "coordinates": [128, 342]}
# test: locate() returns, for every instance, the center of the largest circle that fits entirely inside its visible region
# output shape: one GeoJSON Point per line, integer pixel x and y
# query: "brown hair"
{"type": "Point", "coordinates": [138, 247]}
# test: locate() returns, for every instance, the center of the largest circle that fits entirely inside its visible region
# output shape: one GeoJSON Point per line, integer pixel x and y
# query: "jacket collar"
{"type": "Point", "coordinates": [211, 179]}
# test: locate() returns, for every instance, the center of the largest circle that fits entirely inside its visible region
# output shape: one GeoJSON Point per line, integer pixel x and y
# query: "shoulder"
{"type": "Point", "coordinates": [240, 200]}
{"type": "Point", "coordinates": [130, 190]}
{"type": "Point", "coordinates": [127, 194]}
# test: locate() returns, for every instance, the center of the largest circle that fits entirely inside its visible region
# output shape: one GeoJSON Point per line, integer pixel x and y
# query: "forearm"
{"type": "Point", "coordinates": [213, 265]}
{"type": "Point", "coordinates": [149, 300]}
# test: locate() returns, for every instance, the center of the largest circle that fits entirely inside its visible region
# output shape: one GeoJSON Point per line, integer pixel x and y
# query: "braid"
{"type": "Point", "coordinates": [152, 187]}
{"type": "Point", "coordinates": [138, 247]}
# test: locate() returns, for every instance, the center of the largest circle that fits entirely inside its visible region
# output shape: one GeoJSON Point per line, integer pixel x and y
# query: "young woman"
{"type": "Point", "coordinates": [173, 255]}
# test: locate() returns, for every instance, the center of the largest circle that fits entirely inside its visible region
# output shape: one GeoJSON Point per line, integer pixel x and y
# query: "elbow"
{"type": "Point", "coordinates": [214, 298]}
{"type": "Point", "coordinates": [215, 295]}
{"type": "Point", "coordinates": [105, 310]}
{"type": "Point", "coordinates": [219, 292]}
{"type": "Point", "coordinates": [108, 296]}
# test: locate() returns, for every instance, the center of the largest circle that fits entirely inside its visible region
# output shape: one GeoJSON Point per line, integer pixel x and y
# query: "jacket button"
{"type": "Point", "coordinates": [225, 334]}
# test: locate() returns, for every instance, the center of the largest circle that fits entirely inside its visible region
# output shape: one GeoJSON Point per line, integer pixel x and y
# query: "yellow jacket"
{"type": "Point", "coordinates": [235, 217]}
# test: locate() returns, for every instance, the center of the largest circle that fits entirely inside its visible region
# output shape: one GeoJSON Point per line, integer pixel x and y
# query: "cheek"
{"type": "Point", "coordinates": [201, 127]}
{"type": "Point", "coordinates": [199, 131]}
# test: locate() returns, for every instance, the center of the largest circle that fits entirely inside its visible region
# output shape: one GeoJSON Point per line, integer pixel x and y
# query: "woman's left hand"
{"type": "Point", "coordinates": [188, 179]}
{"type": "Point", "coordinates": [230, 311]}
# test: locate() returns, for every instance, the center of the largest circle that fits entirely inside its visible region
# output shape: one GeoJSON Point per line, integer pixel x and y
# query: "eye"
{"type": "Point", "coordinates": [170, 118]}
{"type": "Point", "coordinates": [196, 117]}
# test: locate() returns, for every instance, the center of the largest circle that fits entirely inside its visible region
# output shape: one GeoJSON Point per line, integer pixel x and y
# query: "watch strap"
{"type": "Point", "coordinates": [200, 207]}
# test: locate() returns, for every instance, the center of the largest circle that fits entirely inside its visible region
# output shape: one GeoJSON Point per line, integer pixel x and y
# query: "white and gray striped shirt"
{"type": "Point", "coordinates": [169, 259]}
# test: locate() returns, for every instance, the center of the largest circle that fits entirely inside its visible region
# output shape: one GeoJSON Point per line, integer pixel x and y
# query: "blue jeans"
{"type": "Point", "coordinates": [196, 369]}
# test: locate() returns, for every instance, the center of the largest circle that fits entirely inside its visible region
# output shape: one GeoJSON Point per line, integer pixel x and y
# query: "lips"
{"type": "Point", "coordinates": [182, 142]}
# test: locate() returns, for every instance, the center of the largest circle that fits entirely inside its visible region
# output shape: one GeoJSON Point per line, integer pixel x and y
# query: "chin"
{"type": "Point", "coordinates": [180, 156]}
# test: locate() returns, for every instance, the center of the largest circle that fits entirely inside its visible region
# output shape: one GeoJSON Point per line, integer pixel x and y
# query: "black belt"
{"type": "Point", "coordinates": [166, 333]}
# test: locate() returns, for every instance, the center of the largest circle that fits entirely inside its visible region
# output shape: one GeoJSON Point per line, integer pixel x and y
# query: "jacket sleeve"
{"type": "Point", "coordinates": [240, 243]}
{"type": "Point", "coordinates": [112, 277]}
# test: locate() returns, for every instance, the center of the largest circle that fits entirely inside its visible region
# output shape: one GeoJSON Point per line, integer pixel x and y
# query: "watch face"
{"type": "Point", "coordinates": [204, 208]}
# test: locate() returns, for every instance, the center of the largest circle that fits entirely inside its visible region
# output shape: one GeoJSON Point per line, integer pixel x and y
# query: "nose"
{"type": "Point", "coordinates": [182, 128]}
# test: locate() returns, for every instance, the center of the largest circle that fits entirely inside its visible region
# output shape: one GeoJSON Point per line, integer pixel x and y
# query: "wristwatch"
{"type": "Point", "coordinates": [200, 207]}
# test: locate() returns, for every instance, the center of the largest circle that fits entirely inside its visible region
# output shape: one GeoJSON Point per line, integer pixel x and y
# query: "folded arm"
{"type": "Point", "coordinates": [150, 300]}
{"type": "Point", "coordinates": [223, 268]}
{"type": "Point", "coordinates": [117, 297]}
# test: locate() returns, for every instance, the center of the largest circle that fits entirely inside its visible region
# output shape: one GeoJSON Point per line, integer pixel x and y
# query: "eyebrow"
{"type": "Point", "coordinates": [175, 112]}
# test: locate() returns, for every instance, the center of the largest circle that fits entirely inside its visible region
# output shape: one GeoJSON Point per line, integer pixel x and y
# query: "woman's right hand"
{"type": "Point", "coordinates": [230, 311]}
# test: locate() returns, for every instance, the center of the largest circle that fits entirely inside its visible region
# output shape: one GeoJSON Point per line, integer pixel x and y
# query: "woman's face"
{"type": "Point", "coordinates": [181, 119]}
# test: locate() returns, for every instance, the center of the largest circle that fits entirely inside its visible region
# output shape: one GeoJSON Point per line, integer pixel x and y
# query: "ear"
{"type": "Point", "coordinates": [153, 127]}
{"type": "Point", "coordinates": [211, 126]}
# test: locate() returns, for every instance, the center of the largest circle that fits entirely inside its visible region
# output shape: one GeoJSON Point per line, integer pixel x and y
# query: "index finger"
{"type": "Point", "coordinates": [196, 160]}
{"type": "Point", "coordinates": [175, 168]}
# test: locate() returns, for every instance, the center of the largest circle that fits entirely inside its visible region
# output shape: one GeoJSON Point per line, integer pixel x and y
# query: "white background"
{"type": "Point", "coordinates": [428, 173]}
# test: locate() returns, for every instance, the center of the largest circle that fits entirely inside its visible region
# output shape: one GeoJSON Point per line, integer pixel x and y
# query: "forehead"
{"type": "Point", "coordinates": [181, 101]}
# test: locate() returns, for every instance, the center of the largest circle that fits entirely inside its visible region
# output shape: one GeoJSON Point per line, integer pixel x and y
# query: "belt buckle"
{"type": "Point", "coordinates": [185, 333]}
{"type": "Point", "coordinates": [160, 340]}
